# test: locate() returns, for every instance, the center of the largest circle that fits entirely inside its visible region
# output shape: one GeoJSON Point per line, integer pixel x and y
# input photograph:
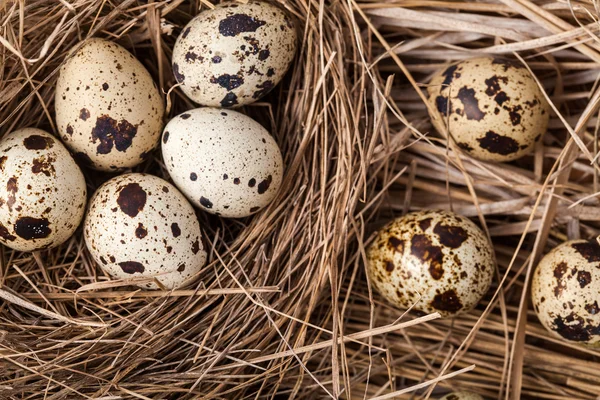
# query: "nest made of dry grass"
{"type": "Point", "coordinates": [282, 309]}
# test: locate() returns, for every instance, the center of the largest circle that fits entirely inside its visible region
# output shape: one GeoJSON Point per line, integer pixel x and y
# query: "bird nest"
{"type": "Point", "coordinates": [282, 309]}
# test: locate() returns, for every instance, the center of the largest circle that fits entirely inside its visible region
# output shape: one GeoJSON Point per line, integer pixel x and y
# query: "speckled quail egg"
{"type": "Point", "coordinates": [439, 261]}
{"type": "Point", "coordinates": [109, 111]}
{"type": "Point", "coordinates": [42, 191]}
{"type": "Point", "coordinates": [566, 290]}
{"type": "Point", "coordinates": [493, 108]}
{"type": "Point", "coordinates": [234, 54]}
{"type": "Point", "coordinates": [139, 225]}
{"type": "Point", "coordinates": [223, 161]}
{"type": "Point", "coordinates": [462, 396]}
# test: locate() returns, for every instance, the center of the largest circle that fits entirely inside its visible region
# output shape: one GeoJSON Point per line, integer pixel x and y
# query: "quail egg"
{"type": "Point", "coordinates": [223, 161]}
{"type": "Point", "coordinates": [439, 261]}
{"type": "Point", "coordinates": [462, 396]}
{"type": "Point", "coordinates": [141, 225]}
{"type": "Point", "coordinates": [234, 54]}
{"type": "Point", "coordinates": [109, 111]}
{"type": "Point", "coordinates": [493, 108]}
{"type": "Point", "coordinates": [565, 291]}
{"type": "Point", "coordinates": [42, 191]}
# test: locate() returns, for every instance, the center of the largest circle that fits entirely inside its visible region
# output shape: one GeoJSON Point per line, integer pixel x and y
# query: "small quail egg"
{"type": "Point", "coordinates": [437, 259]}
{"type": "Point", "coordinates": [42, 191]}
{"type": "Point", "coordinates": [565, 291]}
{"type": "Point", "coordinates": [223, 161]}
{"type": "Point", "coordinates": [141, 225]}
{"type": "Point", "coordinates": [462, 396]}
{"type": "Point", "coordinates": [493, 108]}
{"type": "Point", "coordinates": [234, 54]}
{"type": "Point", "coordinates": [109, 111]}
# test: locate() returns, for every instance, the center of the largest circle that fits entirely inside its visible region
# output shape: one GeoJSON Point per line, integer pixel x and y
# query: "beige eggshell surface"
{"type": "Point", "coordinates": [223, 161]}
{"type": "Point", "coordinates": [438, 255]}
{"type": "Point", "coordinates": [109, 111]}
{"type": "Point", "coordinates": [462, 396]}
{"type": "Point", "coordinates": [493, 108]}
{"type": "Point", "coordinates": [234, 54]}
{"type": "Point", "coordinates": [565, 291]}
{"type": "Point", "coordinates": [139, 225]}
{"type": "Point", "coordinates": [42, 191]}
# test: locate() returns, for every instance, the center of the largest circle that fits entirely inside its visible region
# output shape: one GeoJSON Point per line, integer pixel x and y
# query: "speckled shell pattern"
{"type": "Point", "coordinates": [42, 191]}
{"type": "Point", "coordinates": [141, 225]}
{"type": "Point", "coordinates": [223, 161]}
{"type": "Point", "coordinates": [438, 255]}
{"type": "Point", "coordinates": [109, 111]}
{"type": "Point", "coordinates": [462, 396]}
{"type": "Point", "coordinates": [565, 291]}
{"type": "Point", "coordinates": [493, 108]}
{"type": "Point", "coordinates": [234, 54]}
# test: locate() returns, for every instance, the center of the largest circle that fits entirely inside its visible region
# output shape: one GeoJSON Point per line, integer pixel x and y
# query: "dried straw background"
{"type": "Point", "coordinates": [285, 285]}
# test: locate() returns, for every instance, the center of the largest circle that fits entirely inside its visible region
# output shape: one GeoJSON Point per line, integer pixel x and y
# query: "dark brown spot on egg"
{"type": "Point", "coordinates": [450, 236]}
{"type": "Point", "coordinates": [441, 102]}
{"type": "Point", "coordinates": [251, 182]}
{"type": "Point", "coordinates": [196, 246]}
{"type": "Point", "coordinates": [43, 165]}
{"type": "Point", "coordinates": [465, 146]}
{"type": "Point", "coordinates": [69, 129]}
{"type": "Point", "coordinates": [235, 24]}
{"type": "Point", "coordinates": [422, 248]}
{"type": "Point", "coordinates": [500, 98]}
{"type": "Point", "coordinates": [498, 144]}
{"type": "Point", "coordinates": [132, 199]}
{"type": "Point", "coordinates": [193, 176]}
{"type": "Point", "coordinates": [38, 142]}
{"type": "Point", "coordinates": [166, 137]}
{"type": "Point", "coordinates": [265, 87]}
{"type": "Point", "coordinates": [105, 86]}
{"type": "Point", "coordinates": [447, 301]}
{"type": "Point", "coordinates": [513, 113]}
{"type": "Point", "coordinates": [424, 224]}
{"type": "Point", "coordinates": [493, 85]}
{"type": "Point", "coordinates": [103, 261]}
{"type": "Point", "coordinates": [470, 104]}
{"type": "Point", "coordinates": [589, 250]}
{"type": "Point", "coordinates": [30, 228]}
{"type": "Point", "coordinates": [2, 162]}
{"type": "Point", "coordinates": [574, 327]}
{"type": "Point", "coordinates": [584, 278]}
{"type": "Point", "coordinates": [140, 231]}
{"type": "Point", "coordinates": [179, 77]}
{"type": "Point", "coordinates": [12, 187]}
{"type": "Point", "coordinates": [181, 267]}
{"type": "Point", "coordinates": [229, 100]}
{"type": "Point", "coordinates": [216, 59]}
{"type": "Point", "coordinates": [559, 271]}
{"type": "Point", "coordinates": [205, 202]}
{"type": "Point", "coordinates": [270, 72]}
{"type": "Point", "coordinates": [227, 81]}
{"type": "Point", "coordinates": [109, 132]}
{"type": "Point", "coordinates": [389, 266]}
{"type": "Point", "coordinates": [263, 54]}
{"type": "Point", "coordinates": [185, 115]}
{"type": "Point", "coordinates": [5, 234]}
{"type": "Point", "coordinates": [190, 56]}
{"type": "Point", "coordinates": [448, 75]}
{"type": "Point", "coordinates": [593, 309]}
{"type": "Point", "coordinates": [84, 114]}
{"type": "Point", "coordinates": [185, 32]}
{"type": "Point", "coordinates": [263, 186]}
{"type": "Point", "coordinates": [131, 267]}
{"type": "Point", "coordinates": [175, 230]}
{"type": "Point", "coordinates": [396, 244]}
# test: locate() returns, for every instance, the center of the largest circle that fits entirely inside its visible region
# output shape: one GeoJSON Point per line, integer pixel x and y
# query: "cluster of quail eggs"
{"type": "Point", "coordinates": [437, 261]}
{"type": "Point", "coordinates": [110, 117]}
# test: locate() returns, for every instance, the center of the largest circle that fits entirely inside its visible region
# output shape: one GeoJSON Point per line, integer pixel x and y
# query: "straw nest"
{"type": "Point", "coordinates": [282, 309]}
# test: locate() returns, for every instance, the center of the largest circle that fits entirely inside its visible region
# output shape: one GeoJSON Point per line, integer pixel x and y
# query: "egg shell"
{"type": "Point", "coordinates": [109, 111]}
{"type": "Point", "coordinates": [234, 54]}
{"type": "Point", "coordinates": [493, 108]}
{"type": "Point", "coordinates": [42, 191]}
{"type": "Point", "coordinates": [141, 225]}
{"type": "Point", "coordinates": [462, 396]}
{"type": "Point", "coordinates": [223, 161]}
{"type": "Point", "coordinates": [438, 255]}
{"type": "Point", "coordinates": [565, 291]}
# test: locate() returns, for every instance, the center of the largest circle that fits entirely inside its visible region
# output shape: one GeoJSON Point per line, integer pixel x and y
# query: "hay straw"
{"type": "Point", "coordinates": [283, 309]}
